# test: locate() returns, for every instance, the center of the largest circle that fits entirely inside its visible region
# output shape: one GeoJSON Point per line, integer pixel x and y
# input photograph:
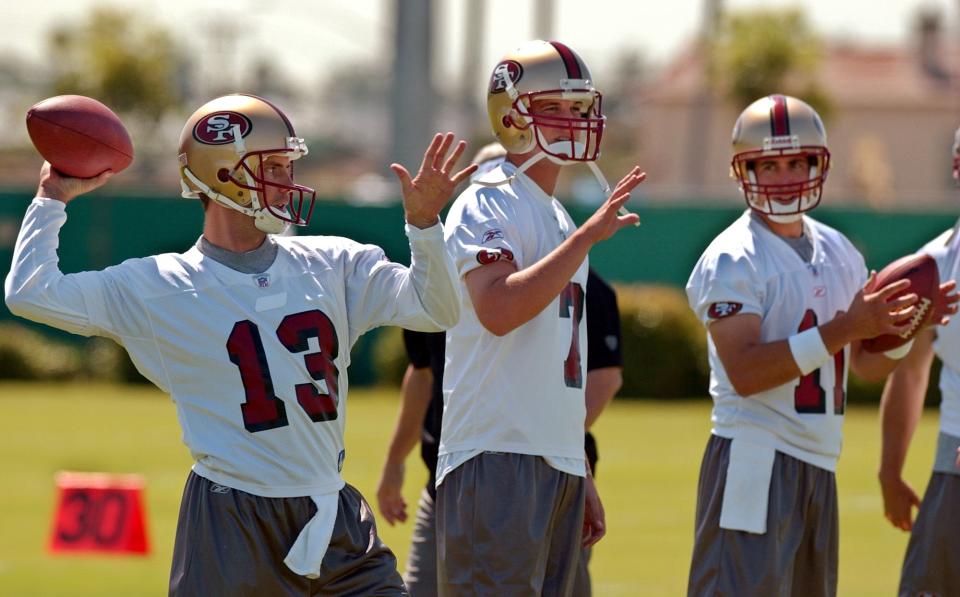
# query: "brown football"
{"type": "Point", "coordinates": [79, 136]}
{"type": "Point", "coordinates": [924, 278]}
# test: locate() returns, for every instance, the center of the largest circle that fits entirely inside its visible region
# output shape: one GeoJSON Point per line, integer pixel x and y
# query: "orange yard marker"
{"type": "Point", "coordinates": [99, 513]}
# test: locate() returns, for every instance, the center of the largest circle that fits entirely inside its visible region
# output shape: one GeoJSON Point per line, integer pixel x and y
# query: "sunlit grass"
{"type": "Point", "coordinates": [649, 460]}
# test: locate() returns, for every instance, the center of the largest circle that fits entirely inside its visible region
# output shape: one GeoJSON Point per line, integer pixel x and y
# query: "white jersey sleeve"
{"type": "Point", "coordinates": [945, 249]}
{"type": "Point", "coordinates": [484, 230]}
{"type": "Point", "coordinates": [725, 284]}
{"type": "Point", "coordinates": [424, 297]}
{"type": "Point", "coordinates": [88, 303]}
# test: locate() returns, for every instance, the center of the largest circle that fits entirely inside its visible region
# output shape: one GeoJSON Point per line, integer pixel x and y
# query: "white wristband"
{"type": "Point", "coordinates": [901, 351]}
{"type": "Point", "coordinates": [808, 349]}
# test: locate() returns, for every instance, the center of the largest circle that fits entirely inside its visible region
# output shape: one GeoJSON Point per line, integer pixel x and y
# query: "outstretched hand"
{"type": "Point", "coordinates": [608, 219]}
{"type": "Point", "coordinates": [54, 185]}
{"type": "Point", "coordinates": [426, 194]}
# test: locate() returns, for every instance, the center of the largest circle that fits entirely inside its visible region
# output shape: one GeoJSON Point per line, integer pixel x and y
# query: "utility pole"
{"type": "Point", "coordinates": [543, 19]}
{"type": "Point", "coordinates": [475, 28]}
{"type": "Point", "coordinates": [701, 117]}
{"type": "Point", "coordinates": [413, 99]}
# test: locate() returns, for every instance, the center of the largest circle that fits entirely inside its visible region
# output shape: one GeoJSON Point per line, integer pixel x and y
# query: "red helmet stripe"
{"type": "Point", "coordinates": [570, 61]}
{"type": "Point", "coordinates": [779, 119]}
{"type": "Point", "coordinates": [280, 113]}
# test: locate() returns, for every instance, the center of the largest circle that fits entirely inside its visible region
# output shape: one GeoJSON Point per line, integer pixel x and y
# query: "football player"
{"type": "Point", "coordinates": [421, 415]}
{"type": "Point", "coordinates": [515, 500]}
{"type": "Point", "coordinates": [250, 333]}
{"type": "Point", "coordinates": [930, 565]}
{"type": "Point", "coordinates": [786, 301]}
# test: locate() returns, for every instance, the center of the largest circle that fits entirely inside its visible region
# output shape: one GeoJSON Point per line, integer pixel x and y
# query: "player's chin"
{"type": "Point", "coordinates": [785, 199]}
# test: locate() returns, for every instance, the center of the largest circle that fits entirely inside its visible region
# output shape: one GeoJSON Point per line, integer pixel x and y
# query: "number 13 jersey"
{"type": "Point", "coordinates": [748, 269]}
{"type": "Point", "coordinates": [256, 363]}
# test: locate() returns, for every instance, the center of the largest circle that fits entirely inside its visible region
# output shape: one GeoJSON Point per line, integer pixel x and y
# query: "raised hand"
{"type": "Point", "coordinates": [608, 218]}
{"type": "Point", "coordinates": [426, 194]}
{"type": "Point", "coordinates": [54, 185]}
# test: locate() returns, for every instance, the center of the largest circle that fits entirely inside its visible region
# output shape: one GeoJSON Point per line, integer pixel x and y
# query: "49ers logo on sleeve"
{"type": "Point", "coordinates": [507, 68]}
{"type": "Point", "coordinates": [488, 256]}
{"type": "Point", "coordinates": [219, 128]}
{"type": "Point", "coordinates": [721, 310]}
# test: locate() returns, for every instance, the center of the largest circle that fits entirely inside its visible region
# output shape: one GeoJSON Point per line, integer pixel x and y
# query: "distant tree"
{"type": "Point", "coordinates": [762, 51]}
{"type": "Point", "coordinates": [132, 65]}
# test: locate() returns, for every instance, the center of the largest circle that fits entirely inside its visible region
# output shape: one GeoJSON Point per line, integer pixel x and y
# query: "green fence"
{"type": "Point", "coordinates": [106, 229]}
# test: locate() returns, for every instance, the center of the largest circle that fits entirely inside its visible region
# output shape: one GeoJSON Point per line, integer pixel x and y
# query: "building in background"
{"type": "Point", "coordinates": [893, 113]}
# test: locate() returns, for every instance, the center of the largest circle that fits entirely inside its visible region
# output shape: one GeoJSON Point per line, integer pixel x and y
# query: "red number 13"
{"type": "Point", "coordinates": [262, 409]}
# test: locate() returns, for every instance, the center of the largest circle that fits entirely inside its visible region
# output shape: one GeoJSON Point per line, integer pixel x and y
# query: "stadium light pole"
{"type": "Point", "coordinates": [701, 117]}
{"type": "Point", "coordinates": [413, 99]}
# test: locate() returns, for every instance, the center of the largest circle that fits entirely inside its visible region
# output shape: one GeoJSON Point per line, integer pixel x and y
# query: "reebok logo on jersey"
{"type": "Point", "coordinates": [217, 488]}
{"type": "Point", "coordinates": [819, 291]}
{"type": "Point", "coordinates": [721, 310]}
{"type": "Point", "coordinates": [490, 235]}
{"type": "Point", "coordinates": [488, 256]}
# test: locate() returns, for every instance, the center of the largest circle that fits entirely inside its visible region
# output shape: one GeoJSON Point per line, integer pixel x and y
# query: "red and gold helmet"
{"type": "Point", "coordinates": [775, 126]}
{"type": "Point", "coordinates": [222, 150]}
{"type": "Point", "coordinates": [545, 70]}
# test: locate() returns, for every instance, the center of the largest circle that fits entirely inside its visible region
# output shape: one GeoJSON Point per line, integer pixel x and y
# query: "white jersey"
{"type": "Point", "coordinates": [945, 249]}
{"type": "Point", "coordinates": [749, 269]}
{"type": "Point", "coordinates": [256, 363]}
{"type": "Point", "coordinates": [523, 392]}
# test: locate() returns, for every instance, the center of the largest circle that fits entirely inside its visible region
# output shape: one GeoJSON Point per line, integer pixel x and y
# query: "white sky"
{"type": "Point", "coordinates": [310, 35]}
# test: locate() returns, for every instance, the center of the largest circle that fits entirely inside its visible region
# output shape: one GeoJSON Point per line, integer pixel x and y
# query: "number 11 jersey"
{"type": "Point", "coordinates": [748, 269]}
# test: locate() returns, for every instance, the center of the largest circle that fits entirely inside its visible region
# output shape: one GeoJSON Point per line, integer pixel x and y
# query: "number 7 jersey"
{"type": "Point", "coordinates": [522, 392]}
{"type": "Point", "coordinates": [748, 269]}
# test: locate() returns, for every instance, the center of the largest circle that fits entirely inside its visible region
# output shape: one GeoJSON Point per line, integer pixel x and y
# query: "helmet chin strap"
{"type": "Point", "coordinates": [269, 223]}
{"type": "Point", "coordinates": [262, 218]}
{"type": "Point", "coordinates": [785, 218]}
{"type": "Point", "coordinates": [556, 147]}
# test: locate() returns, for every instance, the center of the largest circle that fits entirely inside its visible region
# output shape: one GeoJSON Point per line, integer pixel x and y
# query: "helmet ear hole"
{"type": "Point", "coordinates": [223, 175]}
{"type": "Point", "coordinates": [507, 121]}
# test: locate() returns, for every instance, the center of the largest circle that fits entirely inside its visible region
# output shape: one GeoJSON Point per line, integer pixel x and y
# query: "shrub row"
{"type": "Point", "coordinates": [664, 349]}
{"type": "Point", "coordinates": [26, 354]}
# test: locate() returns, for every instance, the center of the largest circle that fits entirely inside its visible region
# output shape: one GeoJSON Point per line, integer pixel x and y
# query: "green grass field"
{"type": "Point", "coordinates": [649, 459]}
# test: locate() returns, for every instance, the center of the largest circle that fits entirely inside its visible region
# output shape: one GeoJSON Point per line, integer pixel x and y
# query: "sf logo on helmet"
{"type": "Point", "coordinates": [219, 128]}
{"type": "Point", "coordinates": [507, 68]}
